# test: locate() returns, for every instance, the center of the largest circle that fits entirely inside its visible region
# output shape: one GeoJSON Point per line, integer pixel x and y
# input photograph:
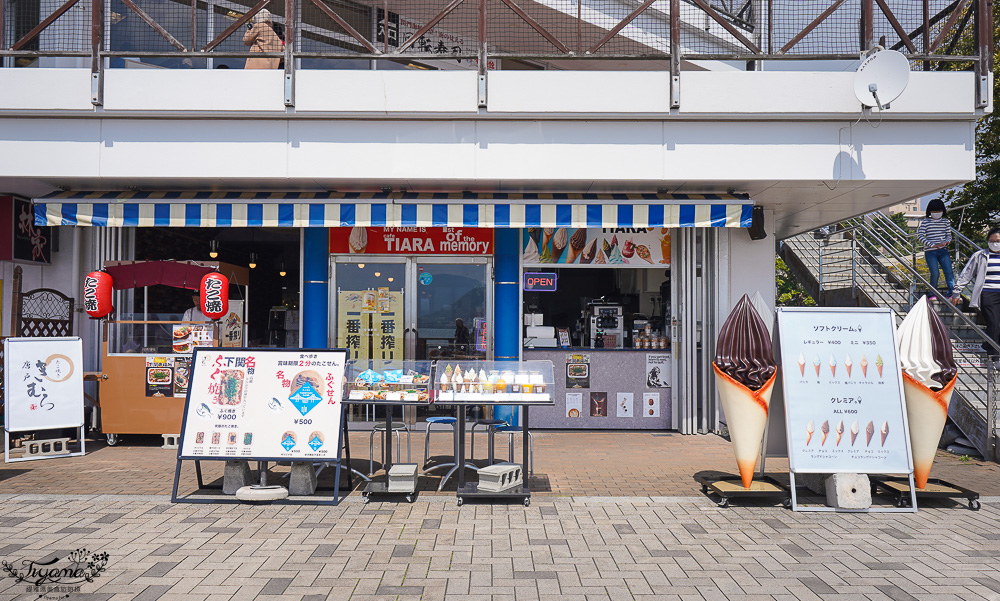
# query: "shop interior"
{"type": "Point", "coordinates": [273, 293]}
{"type": "Point", "coordinates": [601, 308]}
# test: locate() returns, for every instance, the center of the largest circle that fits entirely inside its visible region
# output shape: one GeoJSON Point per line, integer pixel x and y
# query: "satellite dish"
{"type": "Point", "coordinates": [881, 78]}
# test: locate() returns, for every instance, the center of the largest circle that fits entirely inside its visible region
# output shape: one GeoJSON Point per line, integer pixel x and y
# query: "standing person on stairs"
{"type": "Point", "coordinates": [935, 232]}
{"type": "Point", "coordinates": [983, 270]}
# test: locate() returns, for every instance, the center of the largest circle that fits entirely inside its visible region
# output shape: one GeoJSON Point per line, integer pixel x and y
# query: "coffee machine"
{"type": "Point", "coordinates": [607, 326]}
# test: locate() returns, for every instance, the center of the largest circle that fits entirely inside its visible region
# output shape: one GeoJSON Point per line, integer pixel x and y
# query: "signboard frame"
{"type": "Point", "coordinates": [76, 377]}
{"type": "Point", "coordinates": [888, 320]}
{"type": "Point", "coordinates": [336, 459]}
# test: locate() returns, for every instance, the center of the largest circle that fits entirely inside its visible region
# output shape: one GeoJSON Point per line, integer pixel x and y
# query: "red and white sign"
{"type": "Point", "coordinates": [214, 295]}
{"type": "Point", "coordinates": [411, 240]}
{"type": "Point", "coordinates": [97, 294]}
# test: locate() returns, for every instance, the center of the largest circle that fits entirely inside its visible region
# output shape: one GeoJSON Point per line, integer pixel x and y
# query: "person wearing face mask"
{"type": "Point", "coordinates": [983, 270]}
{"type": "Point", "coordinates": [935, 233]}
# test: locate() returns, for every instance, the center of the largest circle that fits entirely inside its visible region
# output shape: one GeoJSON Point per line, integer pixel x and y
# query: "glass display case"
{"type": "Point", "coordinates": [494, 383]}
{"type": "Point", "coordinates": [395, 382]}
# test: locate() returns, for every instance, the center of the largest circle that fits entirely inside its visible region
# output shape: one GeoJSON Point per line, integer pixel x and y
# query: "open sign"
{"type": "Point", "coordinates": [539, 282]}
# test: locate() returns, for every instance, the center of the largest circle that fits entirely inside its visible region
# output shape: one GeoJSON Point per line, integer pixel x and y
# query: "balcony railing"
{"type": "Point", "coordinates": [474, 34]}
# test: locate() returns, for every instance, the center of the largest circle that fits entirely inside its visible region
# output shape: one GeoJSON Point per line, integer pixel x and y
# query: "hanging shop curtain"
{"type": "Point", "coordinates": [248, 209]}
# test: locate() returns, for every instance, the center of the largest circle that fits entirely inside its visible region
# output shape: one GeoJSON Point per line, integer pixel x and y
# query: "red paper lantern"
{"type": "Point", "coordinates": [214, 295]}
{"type": "Point", "coordinates": [97, 294]}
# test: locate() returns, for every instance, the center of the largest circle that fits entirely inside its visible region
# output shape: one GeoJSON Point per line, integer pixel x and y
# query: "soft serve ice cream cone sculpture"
{"type": "Point", "coordinates": [745, 372]}
{"type": "Point", "coordinates": [929, 376]}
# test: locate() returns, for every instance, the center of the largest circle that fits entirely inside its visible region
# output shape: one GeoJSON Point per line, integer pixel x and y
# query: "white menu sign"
{"type": "Point", "coordinates": [43, 383]}
{"type": "Point", "coordinates": [843, 391]}
{"type": "Point", "coordinates": [263, 404]}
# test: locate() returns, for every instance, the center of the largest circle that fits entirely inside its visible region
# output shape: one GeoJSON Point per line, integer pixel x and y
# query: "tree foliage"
{"type": "Point", "coordinates": [982, 195]}
{"type": "Point", "coordinates": [790, 292]}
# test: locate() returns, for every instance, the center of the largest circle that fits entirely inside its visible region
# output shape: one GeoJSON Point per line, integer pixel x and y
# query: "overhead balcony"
{"type": "Point", "coordinates": [477, 56]}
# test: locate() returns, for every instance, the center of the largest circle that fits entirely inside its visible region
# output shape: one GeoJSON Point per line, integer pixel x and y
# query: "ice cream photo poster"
{"type": "Point", "coordinates": [929, 375]}
{"type": "Point", "coordinates": [745, 372]}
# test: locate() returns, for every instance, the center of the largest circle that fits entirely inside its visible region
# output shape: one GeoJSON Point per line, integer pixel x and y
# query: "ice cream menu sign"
{"type": "Point", "coordinates": [263, 404]}
{"type": "Point", "coordinates": [843, 391]}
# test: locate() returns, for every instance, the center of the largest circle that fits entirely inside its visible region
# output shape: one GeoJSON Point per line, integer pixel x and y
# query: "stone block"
{"type": "Point", "coordinates": [170, 441]}
{"type": "Point", "coordinates": [816, 483]}
{"type": "Point", "coordinates": [403, 477]}
{"type": "Point", "coordinates": [237, 476]}
{"type": "Point", "coordinates": [46, 448]}
{"type": "Point", "coordinates": [849, 491]}
{"type": "Point", "coordinates": [303, 479]}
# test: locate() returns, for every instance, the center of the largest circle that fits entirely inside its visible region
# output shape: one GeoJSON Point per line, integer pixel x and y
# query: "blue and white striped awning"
{"type": "Point", "coordinates": [250, 209]}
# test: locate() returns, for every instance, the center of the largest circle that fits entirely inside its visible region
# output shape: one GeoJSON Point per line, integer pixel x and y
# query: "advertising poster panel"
{"type": "Point", "coordinates": [264, 404]}
{"type": "Point", "coordinates": [843, 391]}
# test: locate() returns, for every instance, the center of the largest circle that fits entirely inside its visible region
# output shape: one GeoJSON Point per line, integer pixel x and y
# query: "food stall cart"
{"type": "Point", "coordinates": [146, 362]}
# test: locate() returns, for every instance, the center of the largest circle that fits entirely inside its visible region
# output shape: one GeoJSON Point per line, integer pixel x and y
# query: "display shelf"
{"type": "Point", "coordinates": [494, 382]}
{"type": "Point", "coordinates": [389, 382]}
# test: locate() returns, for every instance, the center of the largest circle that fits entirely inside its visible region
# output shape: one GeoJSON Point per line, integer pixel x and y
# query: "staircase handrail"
{"type": "Point", "coordinates": [913, 273]}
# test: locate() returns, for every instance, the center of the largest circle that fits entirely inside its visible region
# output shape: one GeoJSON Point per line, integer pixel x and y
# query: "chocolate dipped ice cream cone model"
{"type": "Point", "coordinates": [929, 375]}
{"type": "Point", "coordinates": [576, 244]}
{"type": "Point", "coordinates": [825, 429]}
{"type": "Point", "coordinates": [745, 373]}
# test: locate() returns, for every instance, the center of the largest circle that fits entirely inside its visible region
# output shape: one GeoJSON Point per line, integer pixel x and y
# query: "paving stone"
{"type": "Point", "coordinates": [159, 570]}
{"type": "Point", "coordinates": [152, 592]}
{"type": "Point", "coordinates": [325, 550]}
{"type": "Point", "coordinates": [895, 593]}
{"type": "Point", "coordinates": [275, 586]}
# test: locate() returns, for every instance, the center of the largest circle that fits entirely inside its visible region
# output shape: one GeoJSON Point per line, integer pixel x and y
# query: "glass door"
{"type": "Point", "coordinates": [385, 309]}
{"type": "Point", "coordinates": [368, 310]}
{"type": "Point", "coordinates": [453, 311]}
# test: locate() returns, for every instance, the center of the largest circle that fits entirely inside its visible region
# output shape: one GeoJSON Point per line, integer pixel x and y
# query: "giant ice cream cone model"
{"type": "Point", "coordinates": [929, 376]}
{"type": "Point", "coordinates": [745, 373]}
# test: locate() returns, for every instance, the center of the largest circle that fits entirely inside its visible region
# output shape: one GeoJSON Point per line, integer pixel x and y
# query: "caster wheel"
{"type": "Point", "coordinates": [723, 503]}
{"type": "Point", "coordinates": [365, 499]}
{"type": "Point", "coordinates": [112, 439]}
{"type": "Point", "coordinates": [900, 502]}
{"type": "Point", "coordinates": [974, 504]}
{"type": "Point", "coordinates": [410, 498]}
{"type": "Point", "coordinates": [786, 503]}
{"type": "Point", "coordinates": [460, 501]}
{"type": "Point", "coordinates": [527, 502]}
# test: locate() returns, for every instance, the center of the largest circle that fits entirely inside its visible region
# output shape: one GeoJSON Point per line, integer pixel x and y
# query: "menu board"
{"type": "Point", "coordinates": [617, 247]}
{"type": "Point", "coordinates": [43, 383]}
{"type": "Point", "coordinates": [263, 404]}
{"type": "Point", "coordinates": [843, 391]}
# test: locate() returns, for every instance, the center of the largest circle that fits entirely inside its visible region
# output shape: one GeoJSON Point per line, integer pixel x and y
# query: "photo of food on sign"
{"type": "Point", "coordinates": [638, 247]}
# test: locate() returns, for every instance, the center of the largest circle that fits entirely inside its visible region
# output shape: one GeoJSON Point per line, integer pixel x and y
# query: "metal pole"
{"type": "Point", "coordinates": [675, 53]}
{"type": "Point", "coordinates": [927, 33]}
{"type": "Point", "coordinates": [290, 28]}
{"type": "Point", "coordinates": [483, 55]}
{"type": "Point", "coordinates": [96, 64]}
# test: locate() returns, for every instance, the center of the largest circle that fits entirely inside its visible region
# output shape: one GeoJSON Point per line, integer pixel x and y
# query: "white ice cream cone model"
{"type": "Point", "coordinates": [746, 413]}
{"type": "Point", "coordinates": [929, 376]}
{"type": "Point", "coordinates": [926, 411]}
{"type": "Point", "coordinates": [745, 373]}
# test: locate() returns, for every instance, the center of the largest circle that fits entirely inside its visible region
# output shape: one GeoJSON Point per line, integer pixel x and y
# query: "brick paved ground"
{"type": "Point", "coordinates": [572, 549]}
{"type": "Point", "coordinates": [567, 463]}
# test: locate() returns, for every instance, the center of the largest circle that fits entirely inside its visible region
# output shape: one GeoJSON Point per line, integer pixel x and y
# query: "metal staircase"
{"type": "Point", "coordinates": [871, 261]}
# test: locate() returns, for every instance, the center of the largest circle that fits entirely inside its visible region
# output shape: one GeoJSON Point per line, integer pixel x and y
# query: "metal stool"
{"type": "Point", "coordinates": [454, 465]}
{"type": "Point", "coordinates": [491, 427]}
{"type": "Point", "coordinates": [511, 431]}
{"type": "Point", "coordinates": [441, 420]}
{"type": "Point", "coordinates": [380, 429]}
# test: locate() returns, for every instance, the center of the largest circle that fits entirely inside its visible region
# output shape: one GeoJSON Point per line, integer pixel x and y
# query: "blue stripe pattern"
{"type": "Point", "coordinates": [553, 211]}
